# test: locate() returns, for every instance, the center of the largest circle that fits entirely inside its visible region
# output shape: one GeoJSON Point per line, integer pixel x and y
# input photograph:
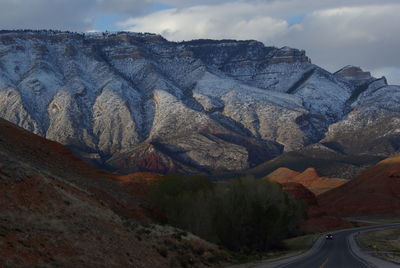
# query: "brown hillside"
{"type": "Point", "coordinates": [318, 219]}
{"type": "Point", "coordinates": [137, 184]}
{"type": "Point", "coordinates": [376, 191]}
{"type": "Point", "coordinates": [283, 174]}
{"type": "Point", "coordinates": [308, 178]}
{"type": "Point", "coordinates": [56, 211]}
{"type": "Point", "coordinates": [55, 159]}
{"type": "Point", "coordinates": [299, 192]}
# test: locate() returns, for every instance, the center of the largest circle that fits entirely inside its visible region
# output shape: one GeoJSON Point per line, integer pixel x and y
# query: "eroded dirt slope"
{"type": "Point", "coordinates": [56, 211]}
{"type": "Point", "coordinates": [376, 191]}
{"type": "Point", "coordinates": [318, 220]}
{"type": "Point", "coordinates": [308, 178]}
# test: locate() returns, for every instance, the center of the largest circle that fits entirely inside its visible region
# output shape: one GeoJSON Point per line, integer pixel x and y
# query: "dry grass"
{"type": "Point", "coordinates": [58, 228]}
{"type": "Point", "coordinates": [384, 244]}
{"type": "Point", "coordinates": [387, 220]}
{"type": "Point", "coordinates": [374, 220]}
{"type": "Point", "coordinates": [301, 243]}
{"type": "Point", "coordinates": [294, 246]}
{"type": "Point", "coordinates": [56, 211]}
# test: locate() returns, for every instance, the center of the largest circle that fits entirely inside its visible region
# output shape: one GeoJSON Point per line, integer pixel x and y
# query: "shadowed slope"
{"type": "Point", "coordinates": [56, 211]}
{"type": "Point", "coordinates": [375, 192]}
{"type": "Point", "coordinates": [318, 219]}
{"type": "Point", "coordinates": [57, 161]}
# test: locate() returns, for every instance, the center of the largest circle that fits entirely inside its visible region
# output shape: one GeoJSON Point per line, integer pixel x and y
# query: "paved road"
{"type": "Point", "coordinates": [336, 253]}
{"type": "Point", "coordinates": [333, 253]}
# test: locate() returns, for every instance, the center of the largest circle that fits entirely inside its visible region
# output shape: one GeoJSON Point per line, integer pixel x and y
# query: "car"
{"type": "Point", "coordinates": [328, 236]}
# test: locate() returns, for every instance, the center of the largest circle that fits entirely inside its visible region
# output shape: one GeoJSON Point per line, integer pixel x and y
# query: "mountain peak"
{"type": "Point", "coordinates": [351, 72]}
{"type": "Point", "coordinates": [209, 105]}
{"type": "Point", "coordinates": [87, 36]}
{"type": "Point", "coordinates": [289, 55]}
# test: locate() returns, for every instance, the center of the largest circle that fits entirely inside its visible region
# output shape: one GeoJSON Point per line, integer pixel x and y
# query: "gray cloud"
{"type": "Point", "coordinates": [132, 7]}
{"type": "Point", "coordinates": [392, 73]}
{"type": "Point", "coordinates": [188, 3]}
{"type": "Point", "coordinates": [334, 33]}
{"type": "Point", "coordinates": [76, 15]}
{"type": "Point", "coordinates": [364, 36]}
{"type": "Point", "coordinates": [45, 14]}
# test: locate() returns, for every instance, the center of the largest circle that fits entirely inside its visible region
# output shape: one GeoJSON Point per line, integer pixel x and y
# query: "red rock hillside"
{"type": "Point", "coordinates": [376, 191]}
{"type": "Point", "coordinates": [56, 211]}
{"type": "Point", "coordinates": [318, 220]}
{"type": "Point", "coordinates": [309, 178]}
{"type": "Point", "coordinates": [54, 158]}
{"type": "Point", "coordinates": [299, 192]}
{"type": "Point", "coordinates": [282, 174]}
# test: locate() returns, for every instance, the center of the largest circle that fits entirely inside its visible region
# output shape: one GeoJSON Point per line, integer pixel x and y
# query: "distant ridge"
{"type": "Point", "coordinates": [132, 102]}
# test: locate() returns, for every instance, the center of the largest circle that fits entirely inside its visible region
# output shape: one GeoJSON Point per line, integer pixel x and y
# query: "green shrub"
{"type": "Point", "coordinates": [244, 214]}
{"type": "Point", "coordinates": [254, 214]}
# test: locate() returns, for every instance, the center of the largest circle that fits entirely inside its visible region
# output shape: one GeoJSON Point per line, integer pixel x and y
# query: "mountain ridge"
{"type": "Point", "coordinates": [200, 106]}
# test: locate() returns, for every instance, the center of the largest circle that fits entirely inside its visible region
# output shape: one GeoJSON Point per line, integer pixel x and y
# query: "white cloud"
{"type": "Point", "coordinates": [237, 21]}
{"type": "Point", "coordinates": [188, 3]}
{"type": "Point", "coordinates": [365, 36]}
{"type": "Point", "coordinates": [132, 7]}
{"type": "Point", "coordinates": [334, 33]}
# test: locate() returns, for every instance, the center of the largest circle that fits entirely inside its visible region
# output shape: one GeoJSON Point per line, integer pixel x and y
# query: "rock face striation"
{"type": "Point", "coordinates": [309, 179]}
{"type": "Point", "coordinates": [132, 101]}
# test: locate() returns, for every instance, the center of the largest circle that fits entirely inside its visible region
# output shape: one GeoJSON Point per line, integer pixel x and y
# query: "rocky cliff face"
{"type": "Point", "coordinates": [139, 102]}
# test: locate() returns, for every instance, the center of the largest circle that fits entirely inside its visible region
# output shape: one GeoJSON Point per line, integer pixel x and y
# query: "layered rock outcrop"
{"type": "Point", "coordinates": [202, 106]}
{"type": "Point", "coordinates": [309, 178]}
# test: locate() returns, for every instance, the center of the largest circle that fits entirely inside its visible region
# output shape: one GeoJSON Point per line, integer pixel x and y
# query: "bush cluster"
{"type": "Point", "coordinates": [244, 214]}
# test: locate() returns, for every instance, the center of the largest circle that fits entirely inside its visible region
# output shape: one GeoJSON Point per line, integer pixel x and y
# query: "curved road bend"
{"type": "Point", "coordinates": [334, 253]}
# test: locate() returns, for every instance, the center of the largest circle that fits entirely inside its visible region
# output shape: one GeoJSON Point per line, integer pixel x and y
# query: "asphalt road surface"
{"type": "Point", "coordinates": [333, 254]}
{"type": "Point", "coordinates": [336, 253]}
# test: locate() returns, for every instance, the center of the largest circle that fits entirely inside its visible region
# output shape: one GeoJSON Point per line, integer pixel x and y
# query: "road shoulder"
{"type": "Point", "coordinates": [355, 250]}
{"type": "Point", "coordinates": [366, 258]}
{"type": "Point", "coordinates": [317, 245]}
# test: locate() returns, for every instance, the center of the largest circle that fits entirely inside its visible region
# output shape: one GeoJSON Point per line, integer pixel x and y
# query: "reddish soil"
{"type": "Point", "coordinates": [57, 211]}
{"type": "Point", "coordinates": [137, 184]}
{"type": "Point", "coordinates": [324, 223]}
{"type": "Point", "coordinates": [283, 174]}
{"type": "Point", "coordinates": [375, 191]}
{"type": "Point", "coordinates": [153, 161]}
{"type": "Point", "coordinates": [309, 178]}
{"type": "Point", "coordinates": [299, 192]}
{"type": "Point", "coordinates": [145, 157]}
{"type": "Point", "coordinates": [59, 161]}
{"type": "Point", "coordinates": [318, 219]}
{"type": "Point", "coordinates": [46, 223]}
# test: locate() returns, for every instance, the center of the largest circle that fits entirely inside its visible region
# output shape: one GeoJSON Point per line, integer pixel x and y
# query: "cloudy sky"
{"type": "Point", "coordinates": [334, 33]}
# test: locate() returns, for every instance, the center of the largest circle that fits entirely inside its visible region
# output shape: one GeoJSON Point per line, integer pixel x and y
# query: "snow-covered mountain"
{"type": "Point", "coordinates": [135, 101]}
